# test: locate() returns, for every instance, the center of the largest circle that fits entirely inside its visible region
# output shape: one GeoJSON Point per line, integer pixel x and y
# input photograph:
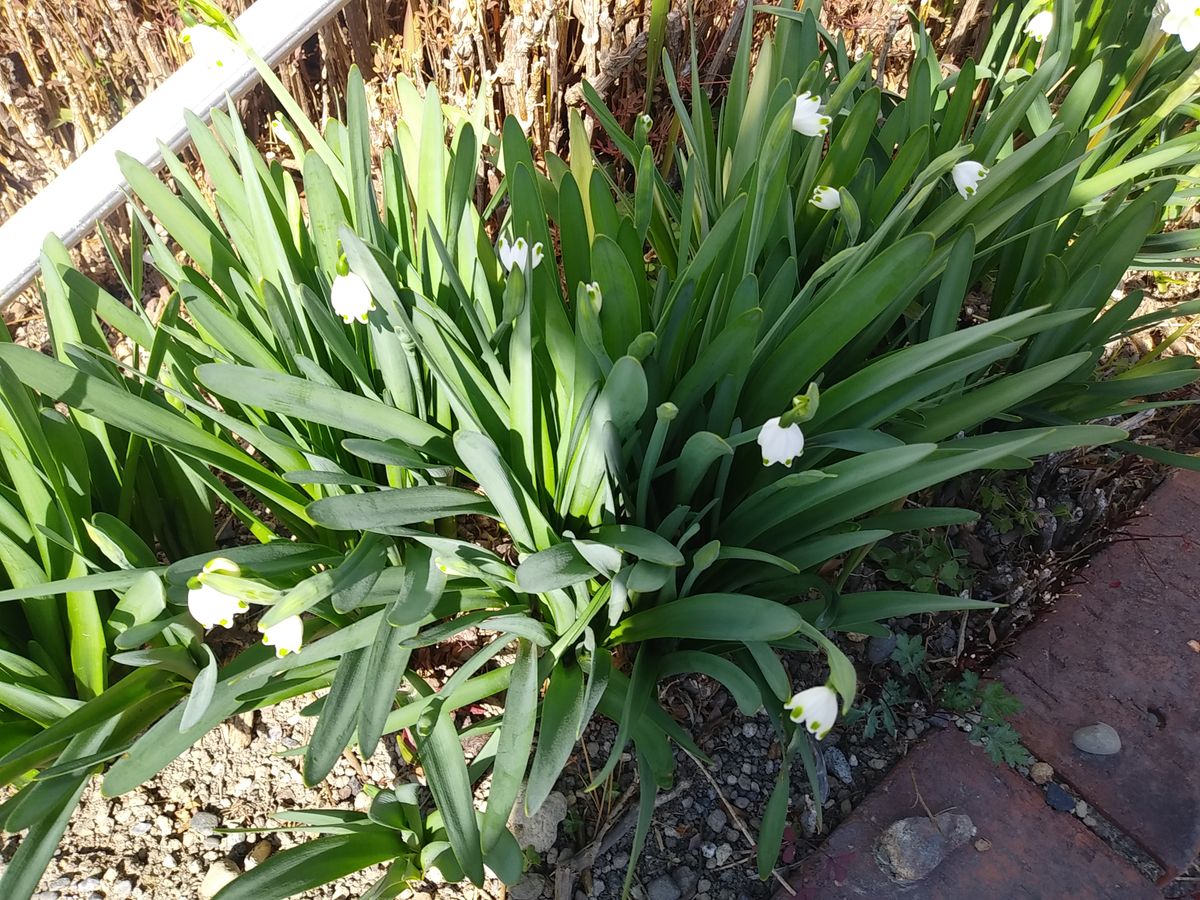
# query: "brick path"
{"type": "Point", "coordinates": [1117, 652]}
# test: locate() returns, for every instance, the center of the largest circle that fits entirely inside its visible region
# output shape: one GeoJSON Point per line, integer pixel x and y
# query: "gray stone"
{"type": "Point", "coordinates": [90, 884]}
{"type": "Point", "coordinates": [204, 823]}
{"type": "Point", "coordinates": [910, 849]}
{"type": "Point", "coordinates": [708, 849]}
{"type": "Point", "coordinates": [837, 765]}
{"type": "Point", "coordinates": [663, 888]}
{"type": "Point", "coordinates": [539, 830]}
{"type": "Point", "coordinates": [716, 819]}
{"type": "Point", "coordinates": [879, 649]}
{"type": "Point", "coordinates": [1099, 739]}
{"type": "Point", "coordinates": [222, 872]}
{"type": "Point", "coordinates": [46, 895]}
{"type": "Point", "coordinates": [723, 853]}
{"type": "Point", "coordinates": [139, 828]}
{"type": "Point", "coordinates": [528, 888]}
{"type": "Point", "coordinates": [121, 889]}
{"type": "Point", "coordinates": [686, 878]}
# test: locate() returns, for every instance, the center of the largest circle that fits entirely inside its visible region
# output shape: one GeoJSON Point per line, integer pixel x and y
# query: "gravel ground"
{"type": "Point", "coordinates": [158, 842]}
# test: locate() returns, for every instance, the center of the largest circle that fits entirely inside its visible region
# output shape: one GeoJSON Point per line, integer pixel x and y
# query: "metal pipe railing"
{"type": "Point", "coordinates": [93, 186]}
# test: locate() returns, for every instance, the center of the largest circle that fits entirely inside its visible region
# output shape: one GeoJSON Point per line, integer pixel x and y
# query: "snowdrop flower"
{"type": "Point", "coordinates": [1183, 19]}
{"type": "Point", "coordinates": [209, 44]}
{"type": "Point", "coordinates": [807, 118]}
{"type": "Point", "coordinates": [967, 176]}
{"type": "Point", "coordinates": [816, 708]}
{"type": "Point", "coordinates": [207, 605]}
{"type": "Point", "coordinates": [1040, 26]}
{"type": "Point", "coordinates": [518, 254]}
{"type": "Point", "coordinates": [286, 637]}
{"type": "Point", "coordinates": [825, 197]}
{"type": "Point", "coordinates": [780, 444]}
{"type": "Point", "coordinates": [351, 298]}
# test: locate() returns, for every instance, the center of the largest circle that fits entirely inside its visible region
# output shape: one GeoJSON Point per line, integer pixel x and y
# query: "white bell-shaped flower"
{"type": "Point", "coordinates": [825, 197]}
{"type": "Point", "coordinates": [351, 298]}
{"type": "Point", "coordinates": [815, 708]}
{"type": "Point", "coordinates": [286, 637]}
{"type": "Point", "coordinates": [1040, 26]}
{"type": "Point", "coordinates": [210, 607]}
{"type": "Point", "coordinates": [519, 254]}
{"type": "Point", "coordinates": [1183, 19]}
{"type": "Point", "coordinates": [780, 445]}
{"type": "Point", "coordinates": [808, 118]}
{"type": "Point", "coordinates": [967, 175]}
{"type": "Point", "coordinates": [211, 45]}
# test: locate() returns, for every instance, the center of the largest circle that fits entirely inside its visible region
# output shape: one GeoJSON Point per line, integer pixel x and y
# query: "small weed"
{"type": "Point", "coordinates": [925, 562]}
{"type": "Point", "coordinates": [994, 705]}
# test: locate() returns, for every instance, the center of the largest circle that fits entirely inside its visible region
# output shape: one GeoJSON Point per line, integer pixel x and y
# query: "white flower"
{"type": "Point", "coordinates": [1183, 19]}
{"type": "Point", "coordinates": [351, 298]}
{"type": "Point", "coordinates": [967, 175]}
{"type": "Point", "coordinates": [816, 707]}
{"type": "Point", "coordinates": [1040, 26]}
{"type": "Point", "coordinates": [286, 637]}
{"type": "Point", "coordinates": [825, 197]}
{"type": "Point", "coordinates": [210, 607]}
{"type": "Point", "coordinates": [807, 118]}
{"type": "Point", "coordinates": [209, 44]}
{"type": "Point", "coordinates": [518, 254]}
{"type": "Point", "coordinates": [780, 444]}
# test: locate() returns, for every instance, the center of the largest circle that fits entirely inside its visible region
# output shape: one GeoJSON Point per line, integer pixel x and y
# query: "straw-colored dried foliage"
{"type": "Point", "coordinates": [68, 71]}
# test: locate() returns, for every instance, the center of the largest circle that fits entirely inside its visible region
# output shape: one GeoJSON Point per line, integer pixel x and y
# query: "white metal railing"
{"type": "Point", "coordinates": [92, 186]}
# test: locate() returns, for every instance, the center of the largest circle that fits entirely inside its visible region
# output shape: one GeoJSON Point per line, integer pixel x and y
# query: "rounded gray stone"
{"type": "Point", "coordinates": [1099, 739]}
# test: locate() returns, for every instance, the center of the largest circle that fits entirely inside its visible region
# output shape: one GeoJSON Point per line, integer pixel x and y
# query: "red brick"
{"type": "Point", "coordinates": [1118, 653]}
{"type": "Point", "coordinates": [1035, 852]}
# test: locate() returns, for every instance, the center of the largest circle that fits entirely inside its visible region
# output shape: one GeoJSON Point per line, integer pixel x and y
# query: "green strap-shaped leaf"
{"type": "Point", "coordinates": [396, 507]}
{"type": "Point", "coordinates": [314, 863]}
{"type": "Point", "coordinates": [515, 742]}
{"type": "Point", "coordinates": [713, 617]}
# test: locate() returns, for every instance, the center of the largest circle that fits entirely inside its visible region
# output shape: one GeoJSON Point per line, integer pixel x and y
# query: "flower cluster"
{"type": "Point", "coordinates": [211, 607]}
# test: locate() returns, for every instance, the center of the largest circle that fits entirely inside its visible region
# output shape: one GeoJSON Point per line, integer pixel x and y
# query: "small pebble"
{"type": "Point", "coordinates": [983, 845]}
{"type": "Point", "coordinates": [1041, 772]}
{"type": "Point", "coordinates": [89, 884]}
{"type": "Point", "coordinates": [1099, 739]}
{"type": "Point", "coordinates": [716, 819]}
{"type": "Point", "coordinates": [1059, 799]}
{"type": "Point", "coordinates": [258, 854]}
{"type": "Point", "coordinates": [1081, 809]}
{"type": "Point", "coordinates": [663, 888]}
{"type": "Point", "coordinates": [220, 874]}
{"type": "Point", "coordinates": [837, 765]}
{"type": "Point", "coordinates": [723, 853]}
{"type": "Point", "coordinates": [204, 823]}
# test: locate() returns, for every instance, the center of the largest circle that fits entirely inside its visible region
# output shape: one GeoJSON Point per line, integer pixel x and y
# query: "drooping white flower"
{"type": "Point", "coordinates": [210, 607]}
{"type": "Point", "coordinates": [209, 44]}
{"type": "Point", "coordinates": [518, 254]}
{"type": "Point", "coordinates": [286, 637]}
{"type": "Point", "coordinates": [780, 444]}
{"type": "Point", "coordinates": [825, 197]}
{"type": "Point", "coordinates": [808, 119]}
{"type": "Point", "coordinates": [967, 175]}
{"type": "Point", "coordinates": [351, 298]}
{"type": "Point", "coordinates": [1040, 26]}
{"type": "Point", "coordinates": [1183, 19]}
{"type": "Point", "coordinates": [816, 708]}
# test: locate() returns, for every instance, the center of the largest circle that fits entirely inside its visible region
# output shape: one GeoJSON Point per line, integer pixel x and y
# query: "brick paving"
{"type": "Point", "coordinates": [1115, 650]}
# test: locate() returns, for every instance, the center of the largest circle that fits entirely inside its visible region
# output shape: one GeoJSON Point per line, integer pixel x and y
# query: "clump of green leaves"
{"type": "Point", "coordinates": [925, 561]}
{"type": "Point", "coordinates": [1008, 504]}
{"type": "Point", "coordinates": [992, 706]}
{"type": "Point", "coordinates": [886, 710]}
